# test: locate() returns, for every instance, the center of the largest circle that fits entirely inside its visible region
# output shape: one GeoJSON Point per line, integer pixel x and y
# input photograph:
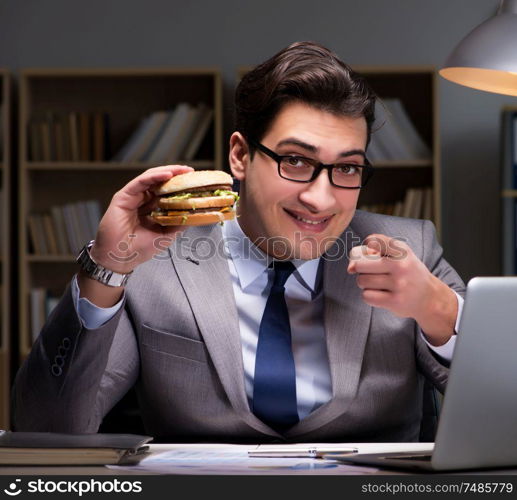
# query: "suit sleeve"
{"type": "Point", "coordinates": [430, 364]}
{"type": "Point", "coordinates": [74, 375]}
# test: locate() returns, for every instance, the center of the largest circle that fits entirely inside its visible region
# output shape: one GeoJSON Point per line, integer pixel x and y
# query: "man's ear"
{"type": "Point", "coordinates": [239, 155]}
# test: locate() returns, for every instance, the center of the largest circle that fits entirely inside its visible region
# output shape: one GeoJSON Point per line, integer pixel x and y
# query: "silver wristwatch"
{"type": "Point", "coordinates": [97, 272]}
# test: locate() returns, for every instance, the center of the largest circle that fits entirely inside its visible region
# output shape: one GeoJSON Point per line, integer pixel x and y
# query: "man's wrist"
{"type": "Point", "coordinates": [438, 318]}
{"type": "Point", "coordinates": [106, 260]}
{"type": "Point", "coordinates": [96, 271]}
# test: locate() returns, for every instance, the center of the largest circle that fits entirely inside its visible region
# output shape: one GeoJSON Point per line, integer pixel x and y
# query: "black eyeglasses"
{"type": "Point", "coordinates": [300, 169]}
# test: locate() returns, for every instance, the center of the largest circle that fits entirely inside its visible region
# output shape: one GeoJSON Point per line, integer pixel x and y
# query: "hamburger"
{"type": "Point", "coordinates": [195, 199]}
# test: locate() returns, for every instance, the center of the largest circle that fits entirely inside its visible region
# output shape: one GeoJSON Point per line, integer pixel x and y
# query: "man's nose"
{"type": "Point", "coordinates": [318, 195]}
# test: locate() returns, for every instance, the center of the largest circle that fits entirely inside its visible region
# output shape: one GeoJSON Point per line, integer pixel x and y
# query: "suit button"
{"type": "Point", "coordinates": [66, 343]}
{"type": "Point", "coordinates": [56, 370]}
{"type": "Point", "coordinates": [61, 351]}
{"type": "Point", "coordinates": [59, 361]}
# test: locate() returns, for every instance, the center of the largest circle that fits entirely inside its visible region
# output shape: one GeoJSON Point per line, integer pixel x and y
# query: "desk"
{"type": "Point", "coordinates": [188, 459]}
{"type": "Point", "coordinates": [193, 463]}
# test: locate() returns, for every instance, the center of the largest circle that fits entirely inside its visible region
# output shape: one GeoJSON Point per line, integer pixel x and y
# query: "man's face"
{"type": "Point", "coordinates": [289, 219]}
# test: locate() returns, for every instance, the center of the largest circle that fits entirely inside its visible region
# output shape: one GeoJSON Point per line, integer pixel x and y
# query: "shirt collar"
{"type": "Point", "coordinates": [251, 262]}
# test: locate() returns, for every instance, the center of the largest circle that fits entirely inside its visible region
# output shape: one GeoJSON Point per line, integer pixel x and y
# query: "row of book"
{"type": "Point", "coordinates": [74, 136]}
{"type": "Point", "coordinates": [65, 229]}
{"type": "Point", "coordinates": [394, 135]}
{"type": "Point", "coordinates": [2, 132]}
{"type": "Point", "coordinates": [417, 204]}
{"type": "Point", "coordinates": [1, 221]}
{"type": "Point", "coordinates": [167, 136]}
{"type": "Point", "coordinates": [42, 302]}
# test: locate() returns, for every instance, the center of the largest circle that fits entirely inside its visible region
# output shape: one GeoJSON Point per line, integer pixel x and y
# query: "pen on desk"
{"type": "Point", "coordinates": [298, 452]}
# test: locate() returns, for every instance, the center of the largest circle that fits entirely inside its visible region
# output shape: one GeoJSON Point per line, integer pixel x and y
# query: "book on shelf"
{"type": "Point", "coordinates": [50, 234]}
{"type": "Point", "coordinates": [132, 143]}
{"type": "Point", "coordinates": [59, 140]}
{"type": "Point", "coordinates": [37, 234]}
{"type": "Point", "coordinates": [199, 134]}
{"type": "Point", "coordinates": [416, 204]}
{"type": "Point", "coordinates": [60, 229]}
{"type": "Point", "coordinates": [408, 131]}
{"type": "Point", "coordinates": [173, 128]}
{"type": "Point", "coordinates": [42, 303]}
{"type": "Point", "coordinates": [99, 136]}
{"type": "Point", "coordinates": [46, 142]}
{"type": "Point", "coordinates": [182, 138]}
{"type": "Point", "coordinates": [394, 136]}
{"type": "Point", "coordinates": [2, 130]}
{"type": "Point", "coordinates": [49, 448]}
{"type": "Point", "coordinates": [84, 136]}
{"type": "Point", "coordinates": [143, 138]}
{"type": "Point", "coordinates": [68, 136]}
{"type": "Point", "coordinates": [74, 135]}
{"type": "Point", "coordinates": [2, 220]}
{"type": "Point", "coordinates": [65, 229]}
{"type": "Point", "coordinates": [167, 136]}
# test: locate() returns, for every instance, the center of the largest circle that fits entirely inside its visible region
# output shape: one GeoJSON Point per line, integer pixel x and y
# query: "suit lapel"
{"type": "Point", "coordinates": [347, 324]}
{"type": "Point", "coordinates": [202, 269]}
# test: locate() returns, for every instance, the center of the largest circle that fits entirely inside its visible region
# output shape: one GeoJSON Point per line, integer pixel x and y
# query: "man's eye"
{"type": "Point", "coordinates": [296, 161]}
{"type": "Point", "coordinates": [348, 169]}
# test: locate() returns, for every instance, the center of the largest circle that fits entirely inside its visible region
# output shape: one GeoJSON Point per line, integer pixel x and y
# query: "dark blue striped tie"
{"type": "Point", "coordinates": [274, 385]}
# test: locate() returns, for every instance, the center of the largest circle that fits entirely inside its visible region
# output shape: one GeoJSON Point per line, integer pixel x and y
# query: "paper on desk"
{"type": "Point", "coordinates": [233, 459]}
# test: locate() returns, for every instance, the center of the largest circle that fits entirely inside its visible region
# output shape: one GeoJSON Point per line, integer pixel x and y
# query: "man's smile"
{"type": "Point", "coordinates": [308, 221]}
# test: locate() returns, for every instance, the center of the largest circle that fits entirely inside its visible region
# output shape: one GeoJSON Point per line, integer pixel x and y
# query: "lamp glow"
{"type": "Point", "coordinates": [486, 59]}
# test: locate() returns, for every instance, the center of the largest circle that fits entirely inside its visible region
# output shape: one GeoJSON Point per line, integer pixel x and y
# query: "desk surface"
{"type": "Point", "coordinates": [224, 459]}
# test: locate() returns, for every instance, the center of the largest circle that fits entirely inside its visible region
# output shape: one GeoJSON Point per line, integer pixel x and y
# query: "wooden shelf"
{"type": "Point", "coordinates": [50, 101]}
{"type": "Point", "coordinates": [509, 193]}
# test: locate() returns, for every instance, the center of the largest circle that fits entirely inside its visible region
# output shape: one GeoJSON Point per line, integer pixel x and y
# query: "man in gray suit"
{"type": "Point", "coordinates": [369, 305]}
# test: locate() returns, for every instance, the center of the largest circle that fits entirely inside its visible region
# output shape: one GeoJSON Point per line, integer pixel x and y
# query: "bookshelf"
{"type": "Point", "coordinates": [5, 140]}
{"type": "Point", "coordinates": [509, 190]}
{"type": "Point", "coordinates": [416, 88]}
{"type": "Point", "coordinates": [73, 124]}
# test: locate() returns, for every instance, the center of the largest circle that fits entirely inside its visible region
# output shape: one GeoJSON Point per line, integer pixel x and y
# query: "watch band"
{"type": "Point", "coordinates": [97, 272]}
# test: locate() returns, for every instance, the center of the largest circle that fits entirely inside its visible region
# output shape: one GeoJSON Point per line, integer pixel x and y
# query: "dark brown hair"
{"type": "Point", "coordinates": [306, 72]}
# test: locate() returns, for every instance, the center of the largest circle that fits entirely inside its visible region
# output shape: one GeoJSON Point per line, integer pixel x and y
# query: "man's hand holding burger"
{"type": "Point", "coordinates": [392, 277]}
{"type": "Point", "coordinates": [126, 237]}
{"type": "Point", "coordinates": [158, 203]}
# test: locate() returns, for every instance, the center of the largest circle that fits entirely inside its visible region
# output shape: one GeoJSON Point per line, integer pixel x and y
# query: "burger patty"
{"type": "Point", "coordinates": [200, 189]}
{"type": "Point", "coordinates": [196, 211]}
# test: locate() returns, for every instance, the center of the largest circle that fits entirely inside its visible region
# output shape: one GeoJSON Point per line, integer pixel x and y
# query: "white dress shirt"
{"type": "Point", "coordinates": [251, 281]}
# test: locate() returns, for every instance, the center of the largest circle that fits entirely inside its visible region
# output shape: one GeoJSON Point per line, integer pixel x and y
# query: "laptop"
{"type": "Point", "coordinates": [477, 428]}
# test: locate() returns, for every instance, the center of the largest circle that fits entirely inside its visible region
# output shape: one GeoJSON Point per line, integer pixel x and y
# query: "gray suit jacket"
{"type": "Point", "coordinates": [177, 341]}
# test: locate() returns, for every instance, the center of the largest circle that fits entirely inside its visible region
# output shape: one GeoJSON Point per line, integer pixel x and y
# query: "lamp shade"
{"type": "Point", "coordinates": [486, 59]}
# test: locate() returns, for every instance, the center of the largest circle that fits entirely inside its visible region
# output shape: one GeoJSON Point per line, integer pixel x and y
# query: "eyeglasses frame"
{"type": "Point", "coordinates": [368, 168]}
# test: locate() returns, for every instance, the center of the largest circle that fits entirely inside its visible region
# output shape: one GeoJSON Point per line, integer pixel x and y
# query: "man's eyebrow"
{"type": "Point", "coordinates": [314, 149]}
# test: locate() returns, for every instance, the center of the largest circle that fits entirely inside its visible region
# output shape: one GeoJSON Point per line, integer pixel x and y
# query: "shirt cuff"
{"type": "Point", "coordinates": [446, 350]}
{"type": "Point", "coordinates": [92, 316]}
